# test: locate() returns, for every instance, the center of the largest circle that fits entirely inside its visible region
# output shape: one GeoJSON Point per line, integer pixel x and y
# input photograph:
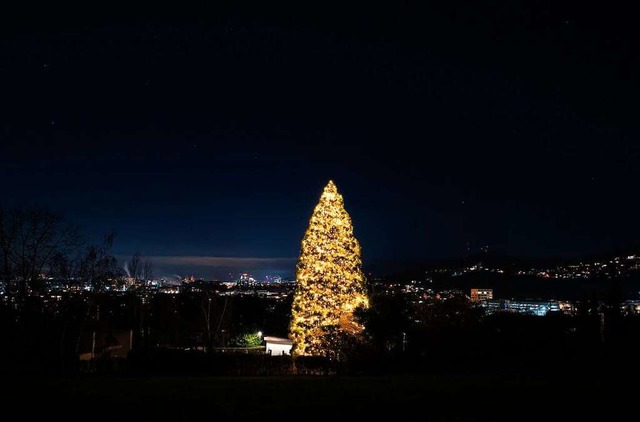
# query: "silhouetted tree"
{"type": "Point", "coordinates": [613, 310]}
{"type": "Point", "coordinates": [205, 305]}
{"type": "Point", "coordinates": [387, 321]}
{"type": "Point", "coordinates": [139, 269]}
{"type": "Point", "coordinates": [38, 242]}
{"type": "Point", "coordinates": [445, 329]}
{"type": "Point", "coordinates": [30, 240]}
{"type": "Point", "coordinates": [133, 266]}
{"type": "Point", "coordinates": [98, 266]}
{"type": "Point", "coordinates": [93, 267]}
{"type": "Point", "coordinates": [147, 270]}
{"type": "Point", "coordinates": [588, 318]}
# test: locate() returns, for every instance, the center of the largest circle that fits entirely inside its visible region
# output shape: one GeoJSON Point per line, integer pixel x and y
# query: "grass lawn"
{"type": "Point", "coordinates": [438, 397]}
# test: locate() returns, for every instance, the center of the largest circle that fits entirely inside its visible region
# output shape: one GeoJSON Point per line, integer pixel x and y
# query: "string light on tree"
{"type": "Point", "coordinates": [330, 281]}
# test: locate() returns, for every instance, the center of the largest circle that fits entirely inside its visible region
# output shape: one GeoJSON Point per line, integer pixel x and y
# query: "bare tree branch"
{"type": "Point", "coordinates": [30, 240]}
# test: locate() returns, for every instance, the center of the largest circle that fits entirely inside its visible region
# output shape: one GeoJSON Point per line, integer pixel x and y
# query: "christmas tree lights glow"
{"type": "Point", "coordinates": [331, 284]}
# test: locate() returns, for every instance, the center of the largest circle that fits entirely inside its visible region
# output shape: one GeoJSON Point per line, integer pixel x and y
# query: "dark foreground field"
{"type": "Point", "coordinates": [438, 397]}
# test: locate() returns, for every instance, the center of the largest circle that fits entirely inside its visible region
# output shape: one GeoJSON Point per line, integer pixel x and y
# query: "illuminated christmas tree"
{"type": "Point", "coordinates": [331, 285]}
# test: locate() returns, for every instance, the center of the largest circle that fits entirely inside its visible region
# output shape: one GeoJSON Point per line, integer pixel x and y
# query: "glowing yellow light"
{"type": "Point", "coordinates": [331, 284]}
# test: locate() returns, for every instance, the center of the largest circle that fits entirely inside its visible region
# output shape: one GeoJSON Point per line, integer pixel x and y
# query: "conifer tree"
{"type": "Point", "coordinates": [330, 281]}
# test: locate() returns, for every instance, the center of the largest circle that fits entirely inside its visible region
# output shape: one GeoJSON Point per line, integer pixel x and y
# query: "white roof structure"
{"type": "Point", "coordinates": [277, 346]}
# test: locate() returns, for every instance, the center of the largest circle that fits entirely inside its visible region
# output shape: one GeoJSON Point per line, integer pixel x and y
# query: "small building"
{"type": "Point", "coordinates": [277, 346]}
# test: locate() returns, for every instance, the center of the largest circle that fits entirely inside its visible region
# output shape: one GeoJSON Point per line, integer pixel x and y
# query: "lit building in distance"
{"type": "Point", "coordinates": [528, 307]}
{"type": "Point", "coordinates": [478, 295]}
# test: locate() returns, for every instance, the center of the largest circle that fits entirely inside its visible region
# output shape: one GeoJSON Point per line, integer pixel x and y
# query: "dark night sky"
{"type": "Point", "coordinates": [205, 135]}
